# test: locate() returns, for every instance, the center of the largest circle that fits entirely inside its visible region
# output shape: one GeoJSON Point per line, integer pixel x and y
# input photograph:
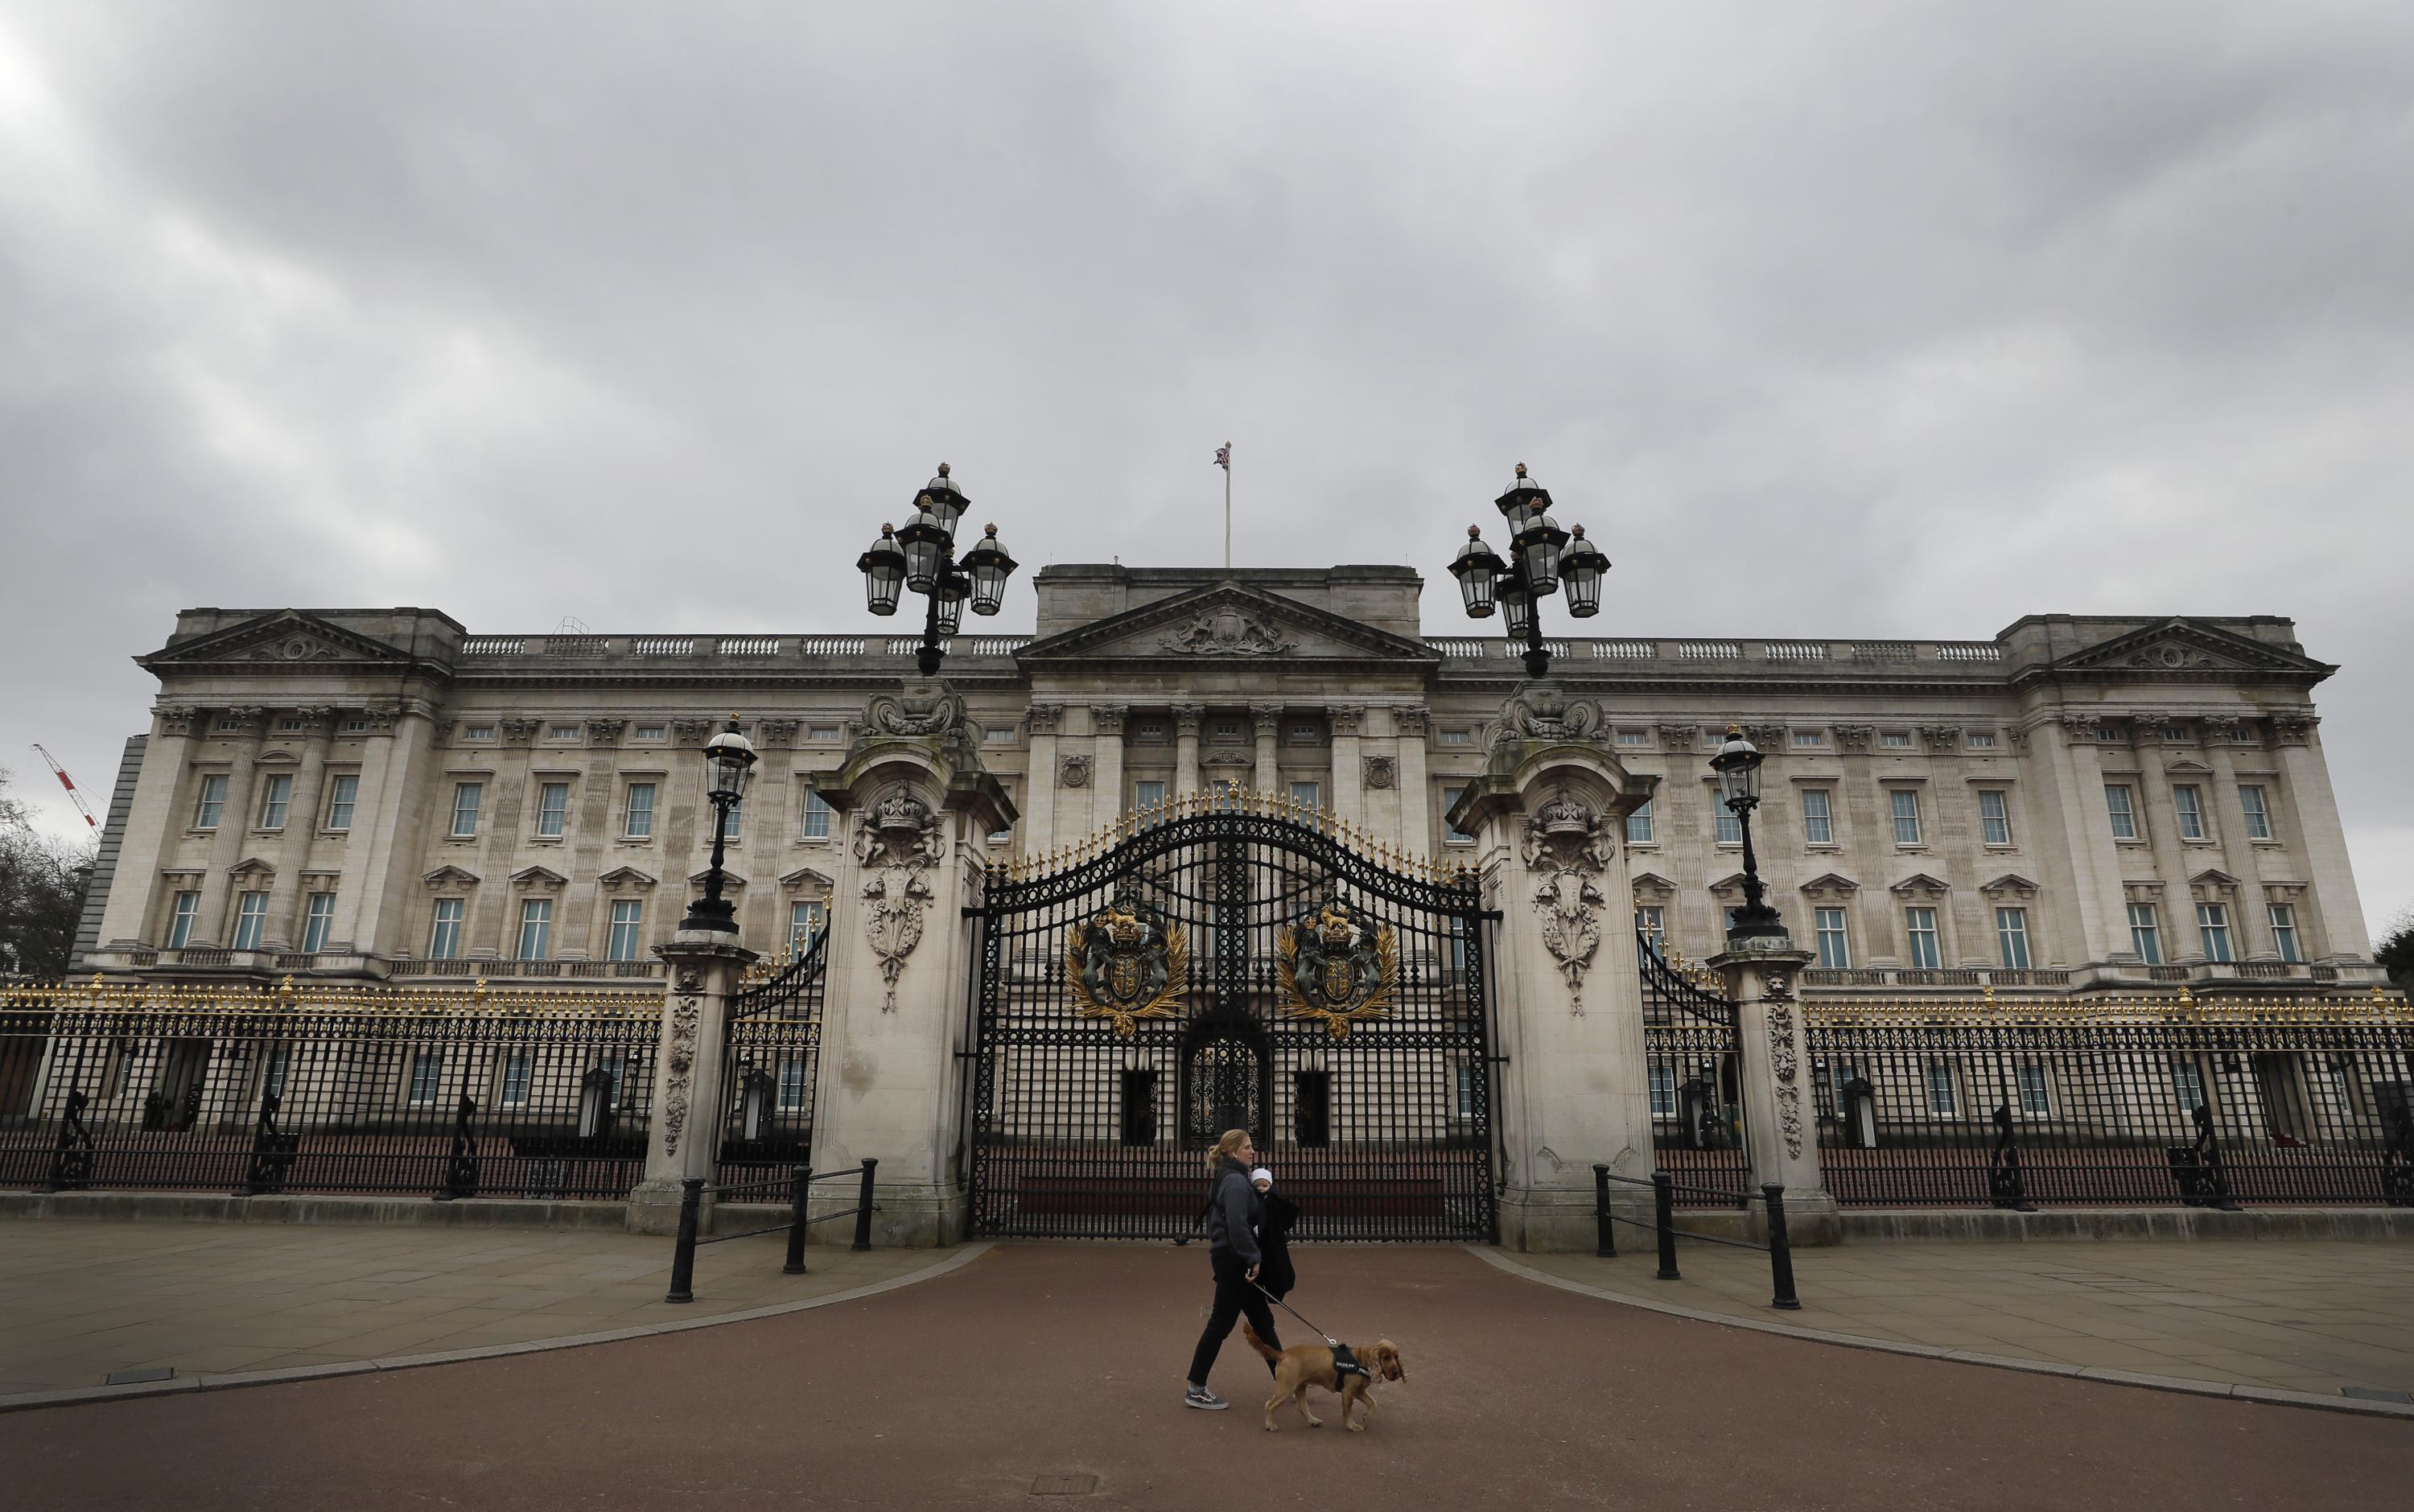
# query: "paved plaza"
{"type": "Point", "coordinates": [1039, 1367]}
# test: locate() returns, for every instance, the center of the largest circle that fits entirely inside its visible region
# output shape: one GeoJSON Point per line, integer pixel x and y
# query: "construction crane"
{"type": "Point", "coordinates": [69, 783]}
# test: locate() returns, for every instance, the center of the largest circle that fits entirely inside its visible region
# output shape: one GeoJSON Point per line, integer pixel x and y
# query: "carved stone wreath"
{"type": "Point", "coordinates": [1382, 771]}
{"type": "Point", "coordinates": [897, 840]}
{"type": "Point", "coordinates": [1074, 771]}
{"type": "Point", "coordinates": [1566, 846]}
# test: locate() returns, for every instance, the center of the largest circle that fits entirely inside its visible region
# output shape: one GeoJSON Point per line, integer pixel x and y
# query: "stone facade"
{"type": "Point", "coordinates": [374, 793]}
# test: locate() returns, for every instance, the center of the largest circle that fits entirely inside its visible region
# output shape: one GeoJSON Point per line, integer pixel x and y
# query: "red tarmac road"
{"type": "Point", "coordinates": [1046, 1360]}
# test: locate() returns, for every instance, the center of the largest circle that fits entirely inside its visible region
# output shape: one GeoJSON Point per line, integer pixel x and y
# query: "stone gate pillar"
{"type": "Point", "coordinates": [704, 968]}
{"type": "Point", "coordinates": [1549, 814]}
{"type": "Point", "coordinates": [1779, 1105]}
{"type": "Point", "coordinates": [917, 806]}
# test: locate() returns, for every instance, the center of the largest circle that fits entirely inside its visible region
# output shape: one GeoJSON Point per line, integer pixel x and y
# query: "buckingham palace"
{"type": "Point", "coordinates": [2082, 802]}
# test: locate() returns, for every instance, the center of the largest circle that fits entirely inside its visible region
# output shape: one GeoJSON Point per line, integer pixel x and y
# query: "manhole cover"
{"type": "Point", "coordinates": [136, 1378]}
{"type": "Point", "coordinates": [1063, 1485]}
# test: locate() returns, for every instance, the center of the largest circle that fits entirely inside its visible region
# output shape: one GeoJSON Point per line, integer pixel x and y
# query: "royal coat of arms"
{"type": "Point", "coordinates": [1338, 968]}
{"type": "Point", "coordinates": [1127, 963]}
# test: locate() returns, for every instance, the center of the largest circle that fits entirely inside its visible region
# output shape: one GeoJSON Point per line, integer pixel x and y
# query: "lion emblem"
{"type": "Point", "coordinates": [1127, 963]}
{"type": "Point", "coordinates": [1339, 968]}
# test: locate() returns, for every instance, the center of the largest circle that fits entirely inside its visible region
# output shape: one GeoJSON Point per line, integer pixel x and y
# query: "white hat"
{"type": "Point", "coordinates": [1261, 1173]}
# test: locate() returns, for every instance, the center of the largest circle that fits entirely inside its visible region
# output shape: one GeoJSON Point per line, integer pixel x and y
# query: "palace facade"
{"type": "Point", "coordinates": [2082, 803]}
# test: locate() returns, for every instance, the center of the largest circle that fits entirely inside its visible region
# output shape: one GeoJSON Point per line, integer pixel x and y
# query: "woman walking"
{"type": "Point", "coordinates": [1234, 1214]}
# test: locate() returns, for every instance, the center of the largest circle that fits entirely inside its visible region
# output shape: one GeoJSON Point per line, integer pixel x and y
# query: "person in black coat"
{"type": "Point", "coordinates": [1234, 1214]}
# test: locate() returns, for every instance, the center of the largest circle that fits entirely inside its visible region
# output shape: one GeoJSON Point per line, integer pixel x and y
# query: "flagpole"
{"type": "Point", "coordinates": [1227, 506]}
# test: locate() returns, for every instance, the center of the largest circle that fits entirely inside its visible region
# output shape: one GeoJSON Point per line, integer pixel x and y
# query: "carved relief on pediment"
{"type": "Point", "coordinates": [1227, 631]}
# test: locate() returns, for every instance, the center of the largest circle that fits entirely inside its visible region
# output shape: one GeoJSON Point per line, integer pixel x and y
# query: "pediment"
{"type": "Point", "coordinates": [2011, 883]}
{"type": "Point", "coordinates": [253, 866]}
{"type": "Point", "coordinates": [728, 878]}
{"type": "Point", "coordinates": [1731, 882]}
{"type": "Point", "coordinates": [2187, 769]}
{"type": "Point", "coordinates": [1830, 883]}
{"type": "Point", "coordinates": [2212, 877]}
{"type": "Point", "coordinates": [287, 638]}
{"type": "Point", "coordinates": [2183, 650]}
{"type": "Point", "coordinates": [1653, 886]}
{"type": "Point", "coordinates": [537, 877]}
{"type": "Point", "coordinates": [1921, 882]}
{"type": "Point", "coordinates": [805, 876]}
{"type": "Point", "coordinates": [1227, 622]}
{"type": "Point", "coordinates": [625, 876]}
{"type": "Point", "coordinates": [450, 876]}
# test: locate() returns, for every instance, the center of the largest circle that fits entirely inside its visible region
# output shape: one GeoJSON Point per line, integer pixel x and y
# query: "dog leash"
{"type": "Point", "coordinates": [1319, 1333]}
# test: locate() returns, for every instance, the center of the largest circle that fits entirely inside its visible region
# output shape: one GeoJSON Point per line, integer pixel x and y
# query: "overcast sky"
{"type": "Point", "coordinates": [1828, 319]}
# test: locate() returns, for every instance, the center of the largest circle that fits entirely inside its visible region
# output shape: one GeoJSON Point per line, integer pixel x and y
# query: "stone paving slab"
{"type": "Point", "coordinates": [2308, 1316]}
{"type": "Point", "coordinates": [79, 1300]}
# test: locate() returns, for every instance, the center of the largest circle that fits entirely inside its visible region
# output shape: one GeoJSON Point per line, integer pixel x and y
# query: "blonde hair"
{"type": "Point", "coordinates": [1233, 1139]}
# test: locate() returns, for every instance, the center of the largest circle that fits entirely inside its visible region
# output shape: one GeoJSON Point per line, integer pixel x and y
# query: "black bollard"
{"type": "Point", "coordinates": [1780, 1253]}
{"type": "Point", "coordinates": [1606, 1238]}
{"type": "Point", "coordinates": [863, 1208]}
{"type": "Point", "coordinates": [683, 1258]}
{"type": "Point", "coordinates": [804, 1186]}
{"type": "Point", "coordinates": [1663, 1202]}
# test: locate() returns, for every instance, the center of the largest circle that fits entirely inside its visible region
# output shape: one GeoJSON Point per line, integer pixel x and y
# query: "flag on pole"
{"type": "Point", "coordinates": [1224, 456]}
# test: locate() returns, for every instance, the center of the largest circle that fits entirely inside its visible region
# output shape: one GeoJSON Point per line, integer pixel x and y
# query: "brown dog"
{"type": "Point", "coordinates": [1302, 1366]}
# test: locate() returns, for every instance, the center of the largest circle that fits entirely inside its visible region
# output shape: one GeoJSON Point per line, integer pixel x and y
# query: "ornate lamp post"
{"type": "Point", "coordinates": [1737, 764]}
{"type": "Point", "coordinates": [728, 766]}
{"type": "Point", "coordinates": [923, 556]}
{"type": "Point", "coordinates": [1541, 557]}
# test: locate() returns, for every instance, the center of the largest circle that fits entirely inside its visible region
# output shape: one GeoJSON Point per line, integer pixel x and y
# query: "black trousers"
{"type": "Point", "coordinates": [1235, 1298]}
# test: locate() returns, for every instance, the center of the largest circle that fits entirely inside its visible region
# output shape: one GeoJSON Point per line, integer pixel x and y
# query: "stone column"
{"type": "Point", "coordinates": [891, 1083]}
{"type": "Point", "coordinates": [1186, 746]}
{"type": "Point", "coordinates": [2087, 839]}
{"type": "Point", "coordinates": [2339, 911]}
{"type": "Point", "coordinates": [151, 821]}
{"type": "Point", "coordinates": [1040, 834]}
{"type": "Point", "coordinates": [1379, 800]}
{"type": "Point", "coordinates": [285, 904]}
{"type": "Point", "coordinates": [704, 968]}
{"type": "Point", "coordinates": [1549, 813]}
{"type": "Point", "coordinates": [1346, 799]}
{"type": "Point", "coordinates": [1265, 720]}
{"type": "Point", "coordinates": [391, 818]}
{"type": "Point", "coordinates": [1780, 1117]}
{"type": "Point", "coordinates": [1107, 763]}
{"type": "Point", "coordinates": [1409, 722]}
{"type": "Point", "coordinates": [234, 825]}
{"type": "Point", "coordinates": [2240, 857]}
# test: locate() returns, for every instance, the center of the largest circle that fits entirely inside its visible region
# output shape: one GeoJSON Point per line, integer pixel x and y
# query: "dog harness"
{"type": "Point", "coordinates": [1344, 1364]}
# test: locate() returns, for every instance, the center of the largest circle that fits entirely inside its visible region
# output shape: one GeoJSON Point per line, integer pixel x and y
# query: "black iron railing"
{"type": "Point", "coordinates": [797, 1187]}
{"type": "Point", "coordinates": [1665, 1193]}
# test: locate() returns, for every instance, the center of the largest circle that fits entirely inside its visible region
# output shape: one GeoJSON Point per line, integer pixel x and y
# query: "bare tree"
{"type": "Point", "coordinates": [42, 886]}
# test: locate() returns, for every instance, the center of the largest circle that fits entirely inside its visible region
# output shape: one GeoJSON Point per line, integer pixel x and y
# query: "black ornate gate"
{"type": "Point", "coordinates": [1231, 966]}
{"type": "Point", "coordinates": [770, 1065]}
{"type": "Point", "coordinates": [1696, 1080]}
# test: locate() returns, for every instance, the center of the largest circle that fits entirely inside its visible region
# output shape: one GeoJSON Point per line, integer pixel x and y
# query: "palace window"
{"type": "Point", "coordinates": [2258, 813]}
{"type": "Point", "coordinates": [444, 939]}
{"type": "Point", "coordinates": [2121, 805]}
{"type": "Point", "coordinates": [536, 928]}
{"type": "Point", "coordinates": [1983, 739]}
{"type": "Point", "coordinates": [804, 922]}
{"type": "Point", "coordinates": [2146, 934]}
{"type": "Point", "coordinates": [1004, 734]}
{"type": "Point", "coordinates": [637, 814]}
{"type": "Point", "coordinates": [1663, 1090]}
{"type": "Point", "coordinates": [1302, 732]}
{"type": "Point", "coordinates": [2175, 734]}
{"type": "Point", "coordinates": [1895, 737]}
{"type": "Point", "coordinates": [1919, 926]}
{"type": "Point", "coordinates": [426, 1077]}
{"type": "Point", "coordinates": [1808, 737]}
{"type": "Point", "coordinates": [620, 941]}
{"type": "Point", "coordinates": [467, 796]}
{"type": "Point", "coordinates": [1651, 922]}
{"type": "Point", "coordinates": [1942, 1098]}
{"type": "Point", "coordinates": [2283, 930]}
{"type": "Point", "coordinates": [732, 819]}
{"type": "Point", "coordinates": [343, 793]}
{"type": "Point", "coordinates": [318, 923]}
{"type": "Point", "coordinates": [1449, 797]}
{"type": "Point", "coordinates": [1726, 826]}
{"type": "Point", "coordinates": [1906, 815]}
{"type": "Point", "coordinates": [276, 798]}
{"type": "Point", "coordinates": [2212, 926]}
{"type": "Point", "coordinates": [1835, 948]}
{"type": "Point", "coordinates": [519, 1071]}
{"type": "Point", "coordinates": [1150, 794]}
{"type": "Point", "coordinates": [649, 732]}
{"type": "Point", "coordinates": [1307, 795]}
{"type": "Point", "coordinates": [794, 1091]}
{"type": "Point", "coordinates": [562, 732]}
{"type": "Point", "coordinates": [552, 809]}
{"type": "Point", "coordinates": [1458, 737]}
{"type": "Point", "coordinates": [179, 921]}
{"type": "Point", "coordinates": [213, 801]}
{"type": "Point", "coordinates": [479, 732]}
{"type": "Point", "coordinates": [1818, 823]}
{"type": "Point", "coordinates": [1638, 825]}
{"type": "Point", "coordinates": [2033, 1098]}
{"type": "Point", "coordinates": [1994, 817]}
{"type": "Point", "coordinates": [817, 816]}
{"type": "Point", "coordinates": [1466, 1072]}
{"type": "Point", "coordinates": [250, 919]}
{"type": "Point", "coordinates": [1633, 737]}
{"type": "Point", "coordinates": [2187, 1083]}
{"type": "Point", "coordinates": [828, 734]}
{"type": "Point", "coordinates": [2189, 804]}
{"type": "Point", "coordinates": [2012, 938]}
